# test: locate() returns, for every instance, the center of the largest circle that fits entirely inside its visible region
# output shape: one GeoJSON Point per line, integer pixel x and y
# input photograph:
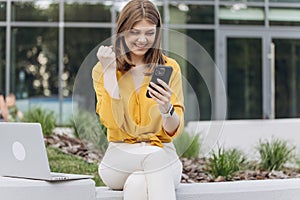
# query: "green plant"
{"type": "Point", "coordinates": [65, 163]}
{"type": "Point", "coordinates": [274, 154]}
{"type": "Point", "coordinates": [87, 126]}
{"type": "Point", "coordinates": [297, 162]}
{"type": "Point", "coordinates": [225, 162]}
{"type": "Point", "coordinates": [45, 117]}
{"type": "Point", "coordinates": [187, 145]}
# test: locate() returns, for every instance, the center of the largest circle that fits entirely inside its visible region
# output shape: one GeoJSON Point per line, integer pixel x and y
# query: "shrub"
{"type": "Point", "coordinates": [274, 154]}
{"type": "Point", "coordinates": [87, 126]}
{"type": "Point", "coordinates": [225, 162]}
{"type": "Point", "coordinates": [297, 162]}
{"type": "Point", "coordinates": [187, 145]}
{"type": "Point", "coordinates": [45, 117]}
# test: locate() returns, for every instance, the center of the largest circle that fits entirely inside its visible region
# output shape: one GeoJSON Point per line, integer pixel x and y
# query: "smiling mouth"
{"type": "Point", "coordinates": [140, 46]}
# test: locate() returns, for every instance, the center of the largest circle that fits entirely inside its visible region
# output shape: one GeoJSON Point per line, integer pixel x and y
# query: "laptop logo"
{"type": "Point", "coordinates": [19, 151]}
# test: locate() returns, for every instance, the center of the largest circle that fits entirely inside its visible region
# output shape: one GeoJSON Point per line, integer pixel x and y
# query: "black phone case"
{"type": "Point", "coordinates": [162, 72]}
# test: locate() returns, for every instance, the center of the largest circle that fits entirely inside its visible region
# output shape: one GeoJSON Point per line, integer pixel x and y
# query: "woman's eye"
{"type": "Point", "coordinates": [134, 32]}
{"type": "Point", "coordinates": [150, 33]}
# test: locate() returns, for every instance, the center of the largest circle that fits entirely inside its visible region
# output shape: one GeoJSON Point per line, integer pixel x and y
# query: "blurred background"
{"type": "Point", "coordinates": [255, 45]}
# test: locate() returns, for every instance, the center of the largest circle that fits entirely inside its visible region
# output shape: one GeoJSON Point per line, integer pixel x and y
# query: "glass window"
{"type": "Point", "coordinates": [244, 78]}
{"type": "Point", "coordinates": [241, 14]}
{"type": "Point", "coordinates": [2, 11]}
{"type": "Point", "coordinates": [205, 38]}
{"type": "Point", "coordinates": [160, 9]}
{"type": "Point", "coordinates": [287, 78]}
{"type": "Point", "coordinates": [2, 58]}
{"type": "Point", "coordinates": [79, 42]}
{"type": "Point", "coordinates": [284, 16]}
{"type": "Point", "coordinates": [34, 62]}
{"type": "Point", "coordinates": [191, 14]}
{"type": "Point", "coordinates": [39, 10]}
{"type": "Point", "coordinates": [197, 44]}
{"type": "Point", "coordinates": [79, 60]}
{"type": "Point", "coordinates": [91, 11]}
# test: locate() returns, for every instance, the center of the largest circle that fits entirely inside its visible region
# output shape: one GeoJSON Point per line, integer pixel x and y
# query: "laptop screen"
{"type": "Point", "coordinates": [22, 151]}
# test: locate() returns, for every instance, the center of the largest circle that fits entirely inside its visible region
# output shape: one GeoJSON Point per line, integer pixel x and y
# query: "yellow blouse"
{"type": "Point", "coordinates": [134, 117]}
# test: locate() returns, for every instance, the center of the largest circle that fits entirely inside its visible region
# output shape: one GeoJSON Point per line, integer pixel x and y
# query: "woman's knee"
{"type": "Point", "coordinates": [112, 178]}
{"type": "Point", "coordinates": [136, 186]}
{"type": "Point", "coordinates": [162, 162]}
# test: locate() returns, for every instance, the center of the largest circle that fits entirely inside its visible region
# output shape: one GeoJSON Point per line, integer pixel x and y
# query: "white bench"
{"type": "Point", "coordinates": [25, 189]}
{"type": "Point", "coordinates": [21, 189]}
{"type": "Point", "coordinates": [287, 189]}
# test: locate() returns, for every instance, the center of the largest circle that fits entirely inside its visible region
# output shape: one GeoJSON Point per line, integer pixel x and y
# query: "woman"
{"type": "Point", "coordinates": [3, 108]}
{"type": "Point", "coordinates": [141, 159]}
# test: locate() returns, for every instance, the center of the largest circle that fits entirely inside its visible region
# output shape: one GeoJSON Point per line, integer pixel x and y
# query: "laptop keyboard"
{"type": "Point", "coordinates": [59, 176]}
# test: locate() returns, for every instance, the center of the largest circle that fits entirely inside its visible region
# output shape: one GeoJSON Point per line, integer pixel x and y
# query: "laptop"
{"type": "Point", "coordinates": [23, 153]}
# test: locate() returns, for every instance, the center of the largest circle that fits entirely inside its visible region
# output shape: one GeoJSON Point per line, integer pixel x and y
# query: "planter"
{"type": "Point", "coordinates": [283, 189]}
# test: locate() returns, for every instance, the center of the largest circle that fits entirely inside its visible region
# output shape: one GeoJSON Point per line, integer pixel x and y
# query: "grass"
{"type": "Point", "coordinates": [187, 145]}
{"type": "Point", "coordinates": [87, 126]}
{"type": "Point", "coordinates": [65, 163]}
{"type": "Point", "coordinates": [275, 154]}
{"type": "Point", "coordinates": [225, 162]}
{"type": "Point", "coordinates": [45, 117]}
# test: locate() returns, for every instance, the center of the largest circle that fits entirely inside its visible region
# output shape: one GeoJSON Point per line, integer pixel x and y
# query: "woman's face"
{"type": "Point", "coordinates": [10, 101]}
{"type": "Point", "coordinates": [140, 38]}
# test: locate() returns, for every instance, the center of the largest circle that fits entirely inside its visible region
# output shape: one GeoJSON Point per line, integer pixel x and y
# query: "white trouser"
{"type": "Point", "coordinates": [144, 172]}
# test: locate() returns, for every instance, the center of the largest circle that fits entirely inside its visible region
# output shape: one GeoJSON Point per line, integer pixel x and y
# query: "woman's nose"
{"type": "Point", "coordinates": [142, 39]}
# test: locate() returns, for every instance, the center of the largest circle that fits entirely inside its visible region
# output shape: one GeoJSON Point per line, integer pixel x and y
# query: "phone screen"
{"type": "Point", "coordinates": [162, 72]}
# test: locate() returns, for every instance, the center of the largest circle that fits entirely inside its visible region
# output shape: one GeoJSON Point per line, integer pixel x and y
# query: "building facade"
{"type": "Point", "coordinates": [251, 68]}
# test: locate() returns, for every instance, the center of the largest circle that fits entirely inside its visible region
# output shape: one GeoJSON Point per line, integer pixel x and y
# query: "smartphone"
{"type": "Point", "coordinates": [162, 72]}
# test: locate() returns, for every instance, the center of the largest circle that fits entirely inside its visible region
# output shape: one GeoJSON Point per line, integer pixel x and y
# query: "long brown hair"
{"type": "Point", "coordinates": [133, 12]}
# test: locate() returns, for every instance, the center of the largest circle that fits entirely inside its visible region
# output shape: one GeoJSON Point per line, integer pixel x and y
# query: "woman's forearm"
{"type": "Point", "coordinates": [111, 83]}
{"type": "Point", "coordinates": [171, 124]}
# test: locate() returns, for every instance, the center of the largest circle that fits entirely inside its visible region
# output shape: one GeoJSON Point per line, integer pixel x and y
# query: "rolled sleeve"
{"type": "Point", "coordinates": [110, 110]}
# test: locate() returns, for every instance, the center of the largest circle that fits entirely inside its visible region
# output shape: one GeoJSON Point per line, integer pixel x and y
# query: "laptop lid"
{"type": "Point", "coordinates": [23, 153]}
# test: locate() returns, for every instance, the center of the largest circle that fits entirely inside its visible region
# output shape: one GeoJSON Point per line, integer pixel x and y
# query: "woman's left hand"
{"type": "Point", "coordinates": [162, 96]}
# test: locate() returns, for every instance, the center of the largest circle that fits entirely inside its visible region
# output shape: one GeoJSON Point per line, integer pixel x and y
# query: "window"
{"type": "Point", "coordinates": [2, 58]}
{"type": "Point", "coordinates": [34, 62]}
{"type": "Point", "coordinates": [79, 42]}
{"type": "Point", "coordinates": [241, 14]}
{"type": "Point", "coordinates": [92, 11]}
{"type": "Point", "coordinates": [2, 11]}
{"type": "Point", "coordinates": [191, 14]}
{"type": "Point", "coordinates": [196, 50]}
{"type": "Point", "coordinates": [244, 78]}
{"type": "Point", "coordinates": [35, 11]}
{"type": "Point", "coordinates": [287, 77]}
{"type": "Point", "coordinates": [284, 16]}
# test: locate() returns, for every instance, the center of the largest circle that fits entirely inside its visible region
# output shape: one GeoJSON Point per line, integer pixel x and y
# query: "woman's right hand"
{"type": "Point", "coordinates": [107, 57]}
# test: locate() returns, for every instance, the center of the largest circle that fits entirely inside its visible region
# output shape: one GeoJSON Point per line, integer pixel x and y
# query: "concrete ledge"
{"type": "Point", "coordinates": [104, 193]}
{"type": "Point", "coordinates": [25, 189]}
{"type": "Point", "coordinates": [279, 189]}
